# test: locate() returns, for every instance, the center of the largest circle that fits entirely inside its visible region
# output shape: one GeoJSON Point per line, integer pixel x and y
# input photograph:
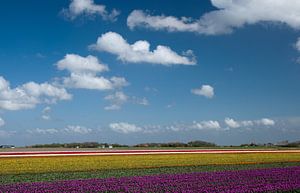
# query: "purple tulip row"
{"type": "Point", "coordinates": [260, 180]}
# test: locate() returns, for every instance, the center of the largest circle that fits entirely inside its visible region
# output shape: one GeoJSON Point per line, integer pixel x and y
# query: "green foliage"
{"type": "Point", "coordinates": [197, 143]}
{"type": "Point", "coordinates": [75, 145]}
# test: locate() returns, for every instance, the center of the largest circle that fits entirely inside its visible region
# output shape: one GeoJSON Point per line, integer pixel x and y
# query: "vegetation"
{"type": "Point", "coordinates": [197, 143]}
{"type": "Point", "coordinates": [12, 178]}
{"type": "Point", "coordinates": [76, 145]}
{"type": "Point", "coordinates": [292, 144]}
{"type": "Point", "coordinates": [91, 163]}
{"type": "Point", "coordinates": [191, 144]}
{"type": "Point", "coordinates": [105, 145]}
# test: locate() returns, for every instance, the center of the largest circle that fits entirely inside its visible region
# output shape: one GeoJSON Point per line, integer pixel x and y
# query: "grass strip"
{"type": "Point", "coordinates": [54, 176]}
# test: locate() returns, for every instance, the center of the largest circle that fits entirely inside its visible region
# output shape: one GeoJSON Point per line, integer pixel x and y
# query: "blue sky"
{"type": "Point", "coordinates": [151, 71]}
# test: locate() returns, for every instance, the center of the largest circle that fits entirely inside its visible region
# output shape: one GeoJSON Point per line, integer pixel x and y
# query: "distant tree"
{"type": "Point", "coordinates": [199, 143]}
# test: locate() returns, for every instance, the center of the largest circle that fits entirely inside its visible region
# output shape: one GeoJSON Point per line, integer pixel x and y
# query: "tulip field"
{"type": "Point", "coordinates": [150, 171]}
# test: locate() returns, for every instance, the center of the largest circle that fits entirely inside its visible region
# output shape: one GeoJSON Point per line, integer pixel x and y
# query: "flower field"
{"type": "Point", "coordinates": [87, 163]}
{"type": "Point", "coordinates": [218, 172]}
{"type": "Point", "coordinates": [262, 180]}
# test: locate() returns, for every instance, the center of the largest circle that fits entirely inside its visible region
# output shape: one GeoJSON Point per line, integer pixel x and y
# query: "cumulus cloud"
{"type": "Point", "coordinates": [43, 131]}
{"type": "Point", "coordinates": [2, 122]}
{"type": "Point", "coordinates": [205, 90]}
{"type": "Point", "coordinates": [266, 122]}
{"type": "Point", "coordinates": [124, 127]}
{"type": "Point", "coordinates": [78, 64]}
{"type": "Point", "coordinates": [119, 98]}
{"type": "Point", "coordinates": [77, 129]}
{"type": "Point", "coordinates": [118, 82]}
{"type": "Point", "coordinates": [140, 51]}
{"type": "Point", "coordinates": [70, 129]}
{"type": "Point", "coordinates": [88, 81]}
{"type": "Point", "coordinates": [203, 126]}
{"type": "Point", "coordinates": [228, 16]}
{"type": "Point", "coordinates": [211, 125]}
{"type": "Point", "coordinates": [88, 8]}
{"type": "Point", "coordinates": [83, 73]}
{"type": "Point", "coordinates": [30, 94]}
{"type": "Point", "coordinates": [249, 123]}
{"type": "Point", "coordinates": [139, 18]}
{"type": "Point", "coordinates": [231, 123]}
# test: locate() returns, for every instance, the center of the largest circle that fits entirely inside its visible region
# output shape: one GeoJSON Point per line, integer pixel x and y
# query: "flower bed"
{"type": "Point", "coordinates": [259, 180]}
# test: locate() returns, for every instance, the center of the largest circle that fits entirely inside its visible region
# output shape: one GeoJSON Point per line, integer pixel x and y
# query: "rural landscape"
{"type": "Point", "coordinates": [201, 169]}
{"type": "Point", "coordinates": [152, 96]}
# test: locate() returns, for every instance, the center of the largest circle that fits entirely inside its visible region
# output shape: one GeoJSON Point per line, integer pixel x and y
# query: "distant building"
{"type": "Point", "coordinates": [269, 145]}
{"type": "Point", "coordinates": [110, 146]}
{"type": "Point", "coordinates": [282, 143]}
{"type": "Point", "coordinates": [7, 146]}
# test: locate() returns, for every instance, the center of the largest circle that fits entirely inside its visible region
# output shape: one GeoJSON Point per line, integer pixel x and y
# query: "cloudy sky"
{"type": "Point", "coordinates": [225, 71]}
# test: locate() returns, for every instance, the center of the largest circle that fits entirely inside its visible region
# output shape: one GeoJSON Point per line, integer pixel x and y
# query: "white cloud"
{"type": "Point", "coordinates": [139, 18]}
{"type": "Point", "coordinates": [248, 123]}
{"type": "Point", "coordinates": [2, 122]}
{"type": "Point", "coordinates": [174, 127]}
{"type": "Point", "coordinates": [45, 89]}
{"type": "Point", "coordinates": [112, 107]}
{"type": "Point", "coordinates": [46, 110]}
{"type": "Point", "coordinates": [77, 129]}
{"type": "Point", "coordinates": [213, 125]}
{"type": "Point", "coordinates": [46, 117]}
{"type": "Point", "coordinates": [71, 129]}
{"type": "Point", "coordinates": [29, 95]}
{"type": "Point", "coordinates": [297, 44]}
{"type": "Point", "coordinates": [266, 122]}
{"type": "Point", "coordinates": [118, 82]}
{"type": "Point", "coordinates": [230, 15]}
{"type": "Point", "coordinates": [231, 123]}
{"type": "Point", "coordinates": [205, 90]}
{"type": "Point", "coordinates": [87, 81]}
{"type": "Point", "coordinates": [126, 128]}
{"type": "Point", "coordinates": [83, 73]}
{"type": "Point", "coordinates": [140, 101]}
{"type": "Point", "coordinates": [43, 131]}
{"type": "Point", "coordinates": [88, 8]}
{"type": "Point", "coordinates": [5, 134]}
{"type": "Point", "coordinates": [119, 98]}
{"type": "Point", "coordinates": [78, 64]}
{"type": "Point", "coordinates": [201, 126]}
{"type": "Point", "coordinates": [140, 51]}
{"type": "Point", "coordinates": [45, 113]}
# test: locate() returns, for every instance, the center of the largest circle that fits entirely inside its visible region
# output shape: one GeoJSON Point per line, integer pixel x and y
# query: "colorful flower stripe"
{"type": "Point", "coordinates": [117, 173]}
{"type": "Point", "coordinates": [92, 163]}
{"type": "Point", "coordinates": [260, 180]}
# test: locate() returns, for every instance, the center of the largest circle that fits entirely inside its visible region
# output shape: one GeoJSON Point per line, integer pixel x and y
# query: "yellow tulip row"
{"type": "Point", "coordinates": [89, 163]}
